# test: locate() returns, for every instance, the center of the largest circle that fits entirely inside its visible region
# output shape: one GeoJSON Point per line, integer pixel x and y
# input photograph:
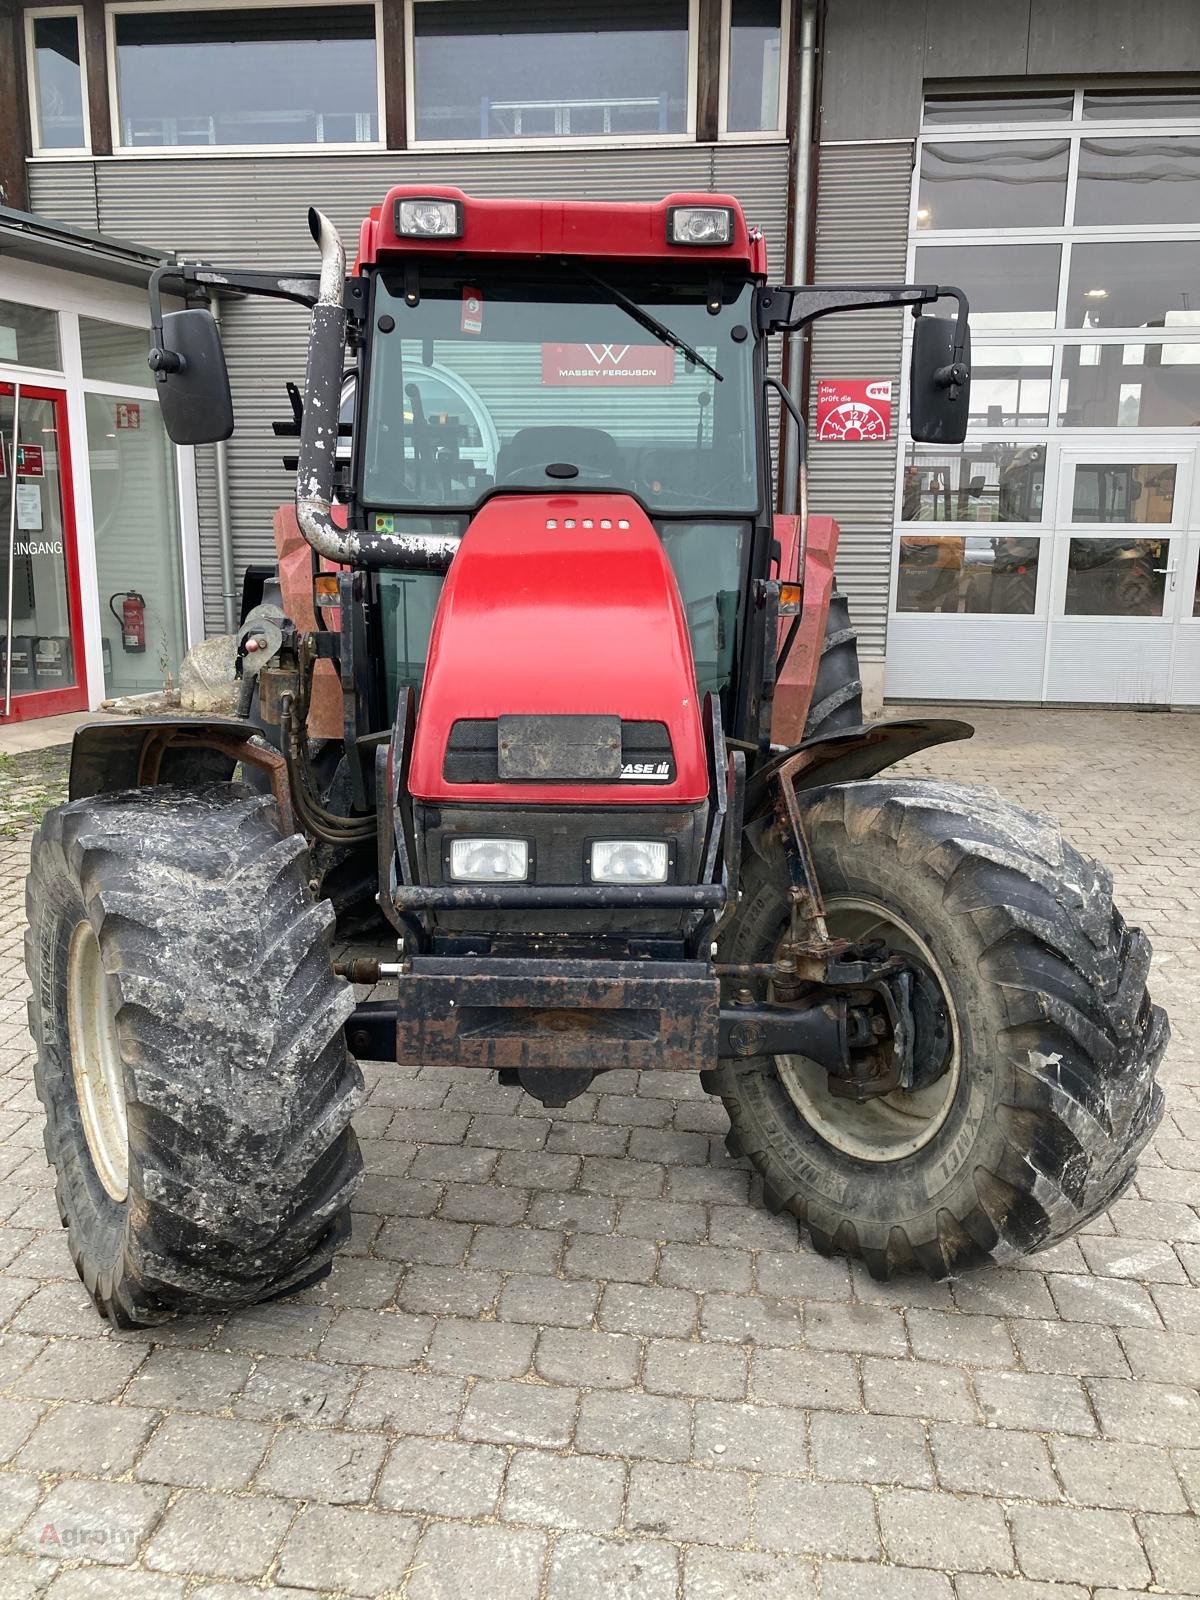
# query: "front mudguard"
{"type": "Point", "coordinates": [851, 754]}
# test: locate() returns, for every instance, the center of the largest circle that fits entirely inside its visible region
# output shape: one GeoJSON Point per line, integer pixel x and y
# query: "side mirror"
{"type": "Point", "coordinates": [940, 384]}
{"type": "Point", "coordinates": [192, 382]}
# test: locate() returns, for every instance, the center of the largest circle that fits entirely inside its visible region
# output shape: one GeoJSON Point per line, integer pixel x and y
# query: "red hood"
{"type": "Point", "coordinates": [560, 605]}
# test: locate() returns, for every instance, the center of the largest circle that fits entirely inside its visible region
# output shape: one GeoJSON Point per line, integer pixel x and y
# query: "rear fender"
{"type": "Point", "coordinates": [853, 753]}
{"type": "Point", "coordinates": [136, 753]}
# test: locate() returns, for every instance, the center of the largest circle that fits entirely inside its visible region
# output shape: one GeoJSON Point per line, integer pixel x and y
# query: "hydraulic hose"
{"type": "Point", "coordinates": [412, 552]}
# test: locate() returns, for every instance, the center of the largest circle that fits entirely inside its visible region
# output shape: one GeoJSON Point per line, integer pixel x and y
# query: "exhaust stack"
{"type": "Point", "coordinates": [414, 552]}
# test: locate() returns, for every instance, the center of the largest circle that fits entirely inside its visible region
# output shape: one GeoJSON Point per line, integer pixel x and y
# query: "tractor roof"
{"type": "Point", "coordinates": [604, 230]}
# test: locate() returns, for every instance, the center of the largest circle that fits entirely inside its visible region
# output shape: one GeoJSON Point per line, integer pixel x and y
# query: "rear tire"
{"type": "Point", "coordinates": [837, 693]}
{"type": "Point", "coordinates": [1057, 1040]}
{"type": "Point", "coordinates": [215, 989]}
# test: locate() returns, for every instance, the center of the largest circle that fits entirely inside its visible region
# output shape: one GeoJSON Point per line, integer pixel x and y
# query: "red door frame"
{"type": "Point", "coordinates": [52, 702]}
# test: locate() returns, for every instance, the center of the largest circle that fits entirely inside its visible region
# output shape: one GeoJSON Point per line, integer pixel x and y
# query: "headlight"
{"type": "Point", "coordinates": [700, 225]}
{"type": "Point", "coordinates": [428, 218]}
{"type": "Point", "coordinates": [489, 860]}
{"type": "Point", "coordinates": [629, 861]}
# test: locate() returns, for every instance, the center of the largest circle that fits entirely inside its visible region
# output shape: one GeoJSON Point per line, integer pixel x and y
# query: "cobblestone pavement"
{"type": "Point", "coordinates": [567, 1356]}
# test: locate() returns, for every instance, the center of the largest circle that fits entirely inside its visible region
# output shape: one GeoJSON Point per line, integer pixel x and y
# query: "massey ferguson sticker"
{"type": "Point", "coordinates": [854, 410]}
{"type": "Point", "coordinates": [645, 772]}
{"type": "Point", "coordinates": [607, 366]}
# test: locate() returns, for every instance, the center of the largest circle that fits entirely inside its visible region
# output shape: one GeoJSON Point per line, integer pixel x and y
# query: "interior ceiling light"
{"type": "Point", "coordinates": [1095, 294]}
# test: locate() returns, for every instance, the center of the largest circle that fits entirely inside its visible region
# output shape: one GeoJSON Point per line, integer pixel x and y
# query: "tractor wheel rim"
{"type": "Point", "coordinates": [891, 1127]}
{"type": "Point", "coordinates": [96, 1063]}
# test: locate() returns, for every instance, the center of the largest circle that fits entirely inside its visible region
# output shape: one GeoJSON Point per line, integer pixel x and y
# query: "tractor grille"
{"type": "Point", "coordinates": [472, 754]}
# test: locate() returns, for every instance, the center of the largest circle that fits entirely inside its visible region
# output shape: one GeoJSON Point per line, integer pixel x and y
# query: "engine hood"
{"type": "Point", "coordinates": [560, 606]}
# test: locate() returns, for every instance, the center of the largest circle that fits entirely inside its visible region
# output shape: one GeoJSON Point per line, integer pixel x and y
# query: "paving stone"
{"type": "Point", "coordinates": [735, 1575]}
{"type": "Point", "coordinates": [517, 1249]}
{"type": "Point", "coordinates": [852, 1581]}
{"type": "Point", "coordinates": [676, 1366]}
{"type": "Point", "coordinates": [1039, 1401]}
{"type": "Point", "coordinates": [1132, 1477]}
{"type": "Point", "coordinates": [587, 1139]}
{"type": "Point", "coordinates": [361, 1552]}
{"type": "Point", "coordinates": [104, 1583]}
{"type": "Point", "coordinates": [591, 1360]}
{"type": "Point", "coordinates": [997, 1292]}
{"type": "Point", "coordinates": [1148, 1260]}
{"type": "Point", "coordinates": [548, 1302]}
{"type": "Point", "coordinates": [19, 1493]}
{"type": "Point", "coordinates": [688, 1503]}
{"type": "Point", "coordinates": [280, 1328]}
{"type": "Point", "coordinates": [627, 1260]}
{"type": "Point", "coordinates": [17, 1421]}
{"type": "Point", "coordinates": [1173, 1546]}
{"type": "Point", "coordinates": [662, 1220]}
{"type": "Point", "coordinates": [442, 1479]}
{"type": "Point", "coordinates": [1146, 1413]}
{"type": "Point", "coordinates": [79, 1369]}
{"type": "Point", "coordinates": [282, 1390]}
{"type": "Point", "coordinates": [758, 1438]}
{"type": "Point", "coordinates": [992, 1461]}
{"type": "Point", "coordinates": [540, 1169]}
{"type": "Point", "coordinates": [376, 1338]}
{"type": "Point", "coordinates": [870, 1450]}
{"type": "Point", "coordinates": [333, 1466]}
{"type": "Point", "coordinates": [508, 1133]}
{"type": "Point", "coordinates": [520, 1413]}
{"type": "Point", "coordinates": [604, 1175]}
{"type": "Point", "coordinates": [960, 1339]}
{"type": "Point", "coordinates": [822, 1380]}
{"type": "Point", "coordinates": [634, 1425]}
{"type": "Point", "coordinates": [101, 1440]}
{"type": "Point", "coordinates": [204, 1452]}
{"type": "Point", "coordinates": [985, 1586]}
{"type": "Point", "coordinates": [1059, 1542]}
{"type": "Point", "coordinates": [104, 1522]}
{"type": "Point", "coordinates": [407, 1402]}
{"type": "Point", "coordinates": [672, 1146]}
{"type": "Point", "coordinates": [448, 1291]}
{"type": "Point", "coordinates": [803, 1274]}
{"type": "Point", "coordinates": [815, 1519]}
{"type": "Point", "coordinates": [917, 1389]}
{"type": "Point", "coordinates": [482, 1349]}
{"type": "Point", "coordinates": [553, 1491]}
{"type": "Point", "coordinates": [218, 1536]}
{"type": "Point", "coordinates": [942, 1531]}
{"type": "Point", "coordinates": [702, 1267]}
{"type": "Point", "coordinates": [433, 1242]}
{"type": "Point", "coordinates": [479, 1202]}
{"type": "Point", "coordinates": [1076, 1350]}
{"type": "Point", "coordinates": [459, 1563]}
{"type": "Point", "coordinates": [587, 1568]}
{"type": "Point", "coordinates": [648, 1309]}
{"type": "Point", "coordinates": [1166, 1357]}
{"type": "Point", "coordinates": [1113, 1301]}
{"type": "Point", "coordinates": [753, 1319]}
{"type": "Point", "coordinates": [749, 1228]}
{"type": "Point", "coordinates": [574, 1213]}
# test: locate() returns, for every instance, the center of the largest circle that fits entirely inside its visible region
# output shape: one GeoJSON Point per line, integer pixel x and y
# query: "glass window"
{"type": "Point", "coordinates": [135, 511]}
{"type": "Point", "coordinates": [1116, 577]}
{"type": "Point", "coordinates": [967, 574]}
{"type": "Point", "coordinates": [1125, 182]}
{"type": "Point", "coordinates": [555, 371]}
{"type": "Point", "coordinates": [58, 84]}
{"type": "Point", "coordinates": [1137, 285]}
{"type": "Point", "coordinates": [949, 111]}
{"type": "Point", "coordinates": [29, 336]}
{"type": "Point", "coordinates": [1120, 105]}
{"type": "Point", "coordinates": [1129, 386]}
{"type": "Point", "coordinates": [1010, 384]}
{"type": "Point", "coordinates": [1003, 183]}
{"type": "Point", "coordinates": [992, 482]}
{"type": "Point", "coordinates": [1123, 491]}
{"type": "Point", "coordinates": [1008, 285]}
{"type": "Point", "coordinates": [754, 42]}
{"type": "Point", "coordinates": [115, 353]}
{"type": "Point", "coordinates": [297, 75]}
{"type": "Point", "coordinates": [491, 69]}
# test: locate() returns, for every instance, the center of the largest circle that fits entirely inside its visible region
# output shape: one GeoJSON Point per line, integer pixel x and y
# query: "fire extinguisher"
{"type": "Point", "coordinates": [132, 617]}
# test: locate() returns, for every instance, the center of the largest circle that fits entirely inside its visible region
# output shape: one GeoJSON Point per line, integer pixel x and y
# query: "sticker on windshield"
{"type": "Point", "coordinates": [472, 311]}
{"type": "Point", "coordinates": [608, 366]}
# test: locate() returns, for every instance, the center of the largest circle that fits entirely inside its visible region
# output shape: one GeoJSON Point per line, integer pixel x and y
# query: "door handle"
{"type": "Point", "coordinates": [1170, 570]}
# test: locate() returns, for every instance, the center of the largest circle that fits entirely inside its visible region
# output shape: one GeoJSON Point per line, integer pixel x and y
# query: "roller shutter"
{"type": "Point", "coordinates": [861, 236]}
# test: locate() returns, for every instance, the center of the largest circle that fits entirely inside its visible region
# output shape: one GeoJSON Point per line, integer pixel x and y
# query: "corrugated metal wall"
{"type": "Point", "coordinates": [251, 211]}
{"type": "Point", "coordinates": [862, 226]}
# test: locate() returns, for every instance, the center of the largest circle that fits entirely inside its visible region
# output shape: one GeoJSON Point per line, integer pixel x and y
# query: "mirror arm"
{"type": "Point", "coordinates": [789, 307]}
{"type": "Point", "coordinates": [299, 287]}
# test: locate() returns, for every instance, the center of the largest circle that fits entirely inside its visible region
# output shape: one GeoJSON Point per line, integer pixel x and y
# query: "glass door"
{"type": "Point", "coordinates": [41, 634]}
{"type": "Point", "coordinates": [1117, 590]}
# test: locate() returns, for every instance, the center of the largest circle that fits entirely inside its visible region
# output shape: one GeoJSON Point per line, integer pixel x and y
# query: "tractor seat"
{"type": "Point", "coordinates": [531, 450]}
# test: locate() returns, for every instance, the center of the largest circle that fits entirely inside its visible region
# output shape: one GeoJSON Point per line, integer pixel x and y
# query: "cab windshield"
{"type": "Point", "coordinates": [541, 381]}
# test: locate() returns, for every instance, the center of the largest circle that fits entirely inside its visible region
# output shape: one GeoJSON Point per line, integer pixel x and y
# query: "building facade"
{"type": "Point", "coordinates": [1042, 154]}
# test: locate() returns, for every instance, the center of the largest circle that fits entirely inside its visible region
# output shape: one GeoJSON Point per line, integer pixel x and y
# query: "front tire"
{"type": "Point", "coordinates": [1049, 1093]}
{"type": "Point", "coordinates": [191, 1058]}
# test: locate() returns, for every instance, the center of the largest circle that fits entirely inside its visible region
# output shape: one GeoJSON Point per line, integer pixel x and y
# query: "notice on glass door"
{"type": "Point", "coordinates": [29, 507]}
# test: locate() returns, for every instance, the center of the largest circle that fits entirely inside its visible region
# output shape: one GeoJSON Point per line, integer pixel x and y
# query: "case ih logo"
{"type": "Point", "coordinates": [633, 366]}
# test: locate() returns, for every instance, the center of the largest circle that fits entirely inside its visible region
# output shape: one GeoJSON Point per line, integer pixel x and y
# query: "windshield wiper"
{"type": "Point", "coordinates": [642, 316]}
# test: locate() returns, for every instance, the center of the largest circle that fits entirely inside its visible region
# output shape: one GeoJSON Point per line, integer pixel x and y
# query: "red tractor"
{"type": "Point", "coordinates": [543, 681]}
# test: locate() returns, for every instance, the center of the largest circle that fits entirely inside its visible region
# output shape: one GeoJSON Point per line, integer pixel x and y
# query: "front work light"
{"type": "Point", "coordinates": [629, 861]}
{"type": "Point", "coordinates": [428, 218]}
{"type": "Point", "coordinates": [489, 860]}
{"type": "Point", "coordinates": [704, 225]}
